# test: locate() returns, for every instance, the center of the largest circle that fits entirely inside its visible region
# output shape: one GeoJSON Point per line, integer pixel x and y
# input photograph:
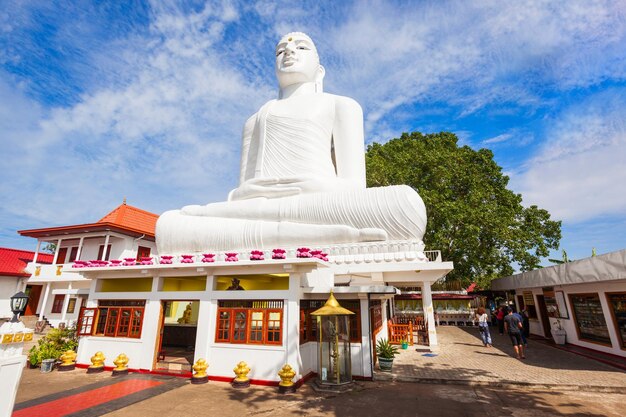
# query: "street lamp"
{"type": "Point", "coordinates": [18, 304]}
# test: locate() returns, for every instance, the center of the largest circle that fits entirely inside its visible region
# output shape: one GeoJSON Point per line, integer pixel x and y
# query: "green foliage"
{"type": "Point", "coordinates": [53, 345]}
{"type": "Point", "coordinates": [50, 248]}
{"type": "Point", "coordinates": [473, 218]}
{"type": "Point", "coordinates": [386, 350]}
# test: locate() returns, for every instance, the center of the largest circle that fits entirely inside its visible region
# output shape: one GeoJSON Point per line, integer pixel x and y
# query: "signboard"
{"type": "Point", "coordinates": [529, 300]}
{"type": "Point", "coordinates": [551, 306]}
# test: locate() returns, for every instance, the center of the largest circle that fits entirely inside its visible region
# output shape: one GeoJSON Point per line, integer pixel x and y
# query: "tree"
{"type": "Point", "coordinates": [473, 218]}
{"type": "Point", "coordinates": [50, 248]}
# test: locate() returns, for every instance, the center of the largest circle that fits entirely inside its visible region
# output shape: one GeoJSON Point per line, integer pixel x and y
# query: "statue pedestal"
{"type": "Point", "coordinates": [12, 363]}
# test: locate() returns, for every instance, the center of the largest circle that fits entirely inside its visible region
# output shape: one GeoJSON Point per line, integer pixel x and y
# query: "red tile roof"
{"type": "Point", "coordinates": [13, 261]}
{"type": "Point", "coordinates": [132, 218]}
{"type": "Point", "coordinates": [125, 219]}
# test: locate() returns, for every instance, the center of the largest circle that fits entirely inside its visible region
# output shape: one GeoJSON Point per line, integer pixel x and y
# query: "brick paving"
{"type": "Point", "coordinates": [462, 359]}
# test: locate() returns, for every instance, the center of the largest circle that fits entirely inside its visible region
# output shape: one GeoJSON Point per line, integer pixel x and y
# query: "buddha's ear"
{"type": "Point", "coordinates": [321, 72]}
{"type": "Point", "coordinates": [319, 79]}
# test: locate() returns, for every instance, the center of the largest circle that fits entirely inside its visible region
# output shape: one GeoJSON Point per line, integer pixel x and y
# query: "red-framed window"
{"type": "Point", "coordinates": [57, 304]}
{"type": "Point", "coordinates": [250, 322]}
{"type": "Point", "coordinates": [142, 252]}
{"type": "Point", "coordinates": [101, 251]}
{"type": "Point", "coordinates": [112, 318]}
{"type": "Point", "coordinates": [308, 323]}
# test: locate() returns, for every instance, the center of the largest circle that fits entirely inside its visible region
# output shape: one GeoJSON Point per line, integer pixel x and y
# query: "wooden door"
{"type": "Point", "coordinates": [543, 315]}
{"type": "Point", "coordinates": [159, 338]}
{"type": "Point", "coordinates": [33, 292]}
{"type": "Point", "coordinates": [62, 256]}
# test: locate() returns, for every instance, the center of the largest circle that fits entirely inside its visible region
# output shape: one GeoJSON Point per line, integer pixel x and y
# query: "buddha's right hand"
{"type": "Point", "coordinates": [263, 187]}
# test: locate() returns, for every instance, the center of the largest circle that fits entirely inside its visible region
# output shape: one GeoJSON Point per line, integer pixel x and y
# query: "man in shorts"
{"type": "Point", "coordinates": [513, 327]}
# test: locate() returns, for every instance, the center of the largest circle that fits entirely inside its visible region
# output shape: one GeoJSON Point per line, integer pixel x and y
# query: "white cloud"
{"type": "Point", "coordinates": [580, 173]}
{"type": "Point", "coordinates": [170, 125]}
{"type": "Point", "coordinates": [159, 111]}
{"type": "Point", "coordinates": [497, 139]}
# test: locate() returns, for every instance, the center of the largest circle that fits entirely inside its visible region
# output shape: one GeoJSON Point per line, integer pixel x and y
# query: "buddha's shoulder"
{"type": "Point", "coordinates": [344, 104]}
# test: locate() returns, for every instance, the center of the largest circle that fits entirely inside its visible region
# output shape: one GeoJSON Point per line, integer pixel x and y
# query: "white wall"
{"type": "Point", "coordinates": [8, 288]}
{"type": "Point", "coordinates": [601, 288]}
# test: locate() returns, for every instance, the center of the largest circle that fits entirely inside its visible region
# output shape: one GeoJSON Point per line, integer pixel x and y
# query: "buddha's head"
{"type": "Point", "coordinates": [297, 61]}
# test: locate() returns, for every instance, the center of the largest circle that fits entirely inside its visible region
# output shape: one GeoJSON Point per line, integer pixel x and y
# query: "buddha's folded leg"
{"type": "Point", "coordinates": [398, 210]}
{"type": "Point", "coordinates": [179, 233]}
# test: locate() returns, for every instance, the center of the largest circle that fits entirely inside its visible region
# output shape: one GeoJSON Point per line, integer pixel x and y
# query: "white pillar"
{"type": "Point", "coordinates": [56, 252]}
{"type": "Point", "coordinates": [37, 251]}
{"type": "Point", "coordinates": [45, 301]}
{"type": "Point", "coordinates": [66, 302]}
{"type": "Point", "coordinates": [104, 252]}
{"type": "Point", "coordinates": [80, 248]}
{"type": "Point", "coordinates": [429, 314]}
{"type": "Point", "coordinates": [291, 326]}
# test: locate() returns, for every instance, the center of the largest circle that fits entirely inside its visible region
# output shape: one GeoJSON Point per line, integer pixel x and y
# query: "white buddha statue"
{"type": "Point", "coordinates": [302, 177]}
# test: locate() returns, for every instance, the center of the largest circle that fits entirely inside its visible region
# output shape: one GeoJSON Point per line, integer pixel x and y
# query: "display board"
{"type": "Point", "coordinates": [589, 318]}
{"type": "Point", "coordinates": [617, 303]}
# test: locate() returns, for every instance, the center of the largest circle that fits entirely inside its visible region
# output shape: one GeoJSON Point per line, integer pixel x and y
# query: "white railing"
{"type": "Point", "coordinates": [433, 255]}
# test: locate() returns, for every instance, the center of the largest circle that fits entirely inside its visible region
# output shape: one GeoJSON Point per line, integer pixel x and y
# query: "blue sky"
{"type": "Point", "coordinates": [146, 100]}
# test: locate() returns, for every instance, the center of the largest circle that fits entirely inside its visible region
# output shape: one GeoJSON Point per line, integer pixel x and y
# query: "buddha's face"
{"type": "Point", "coordinates": [296, 60]}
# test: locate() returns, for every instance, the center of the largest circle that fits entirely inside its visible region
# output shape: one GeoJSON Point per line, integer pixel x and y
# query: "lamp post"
{"type": "Point", "coordinates": [18, 304]}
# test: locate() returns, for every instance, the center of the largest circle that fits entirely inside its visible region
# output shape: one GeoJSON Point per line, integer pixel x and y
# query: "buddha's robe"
{"type": "Point", "coordinates": [284, 146]}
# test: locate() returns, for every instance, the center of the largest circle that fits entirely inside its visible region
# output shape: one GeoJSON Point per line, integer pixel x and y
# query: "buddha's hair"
{"type": "Point", "coordinates": [303, 35]}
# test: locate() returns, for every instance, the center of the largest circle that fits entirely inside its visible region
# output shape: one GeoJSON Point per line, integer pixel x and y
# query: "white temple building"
{"type": "Point", "coordinates": [238, 280]}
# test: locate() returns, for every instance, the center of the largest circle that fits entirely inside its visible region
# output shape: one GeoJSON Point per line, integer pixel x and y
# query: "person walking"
{"type": "Point", "coordinates": [500, 318]}
{"type": "Point", "coordinates": [483, 326]}
{"type": "Point", "coordinates": [513, 327]}
{"type": "Point", "coordinates": [521, 320]}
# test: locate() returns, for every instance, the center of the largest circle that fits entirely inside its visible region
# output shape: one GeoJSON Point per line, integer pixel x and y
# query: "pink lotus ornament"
{"type": "Point", "coordinates": [115, 262]}
{"type": "Point", "coordinates": [166, 260]}
{"type": "Point", "coordinates": [97, 263]}
{"type": "Point", "coordinates": [146, 260]}
{"type": "Point", "coordinates": [208, 257]}
{"type": "Point", "coordinates": [231, 257]}
{"type": "Point", "coordinates": [80, 264]}
{"type": "Point", "coordinates": [129, 262]}
{"type": "Point", "coordinates": [319, 255]}
{"type": "Point", "coordinates": [186, 259]}
{"type": "Point", "coordinates": [303, 253]}
{"type": "Point", "coordinates": [278, 254]}
{"type": "Point", "coordinates": [256, 255]}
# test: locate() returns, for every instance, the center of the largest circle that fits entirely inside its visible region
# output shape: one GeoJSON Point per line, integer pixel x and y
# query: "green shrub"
{"type": "Point", "coordinates": [53, 345]}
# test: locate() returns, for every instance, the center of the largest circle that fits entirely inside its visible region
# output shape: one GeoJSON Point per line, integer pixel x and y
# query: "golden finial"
{"type": "Point", "coordinates": [200, 376]}
{"type": "Point", "coordinates": [124, 202]}
{"type": "Point", "coordinates": [120, 365]}
{"type": "Point", "coordinates": [97, 363]}
{"type": "Point", "coordinates": [242, 380]}
{"type": "Point", "coordinates": [286, 375]}
{"type": "Point", "coordinates": [69, 361]}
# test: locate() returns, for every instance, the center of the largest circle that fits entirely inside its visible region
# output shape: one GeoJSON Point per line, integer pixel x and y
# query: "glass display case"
{"type": "Point", "coordinates": [589, 318]}
{"type": "Point", "coordinates": [617, 303]}
{"type": "Point", "coordinates": [334, 357]}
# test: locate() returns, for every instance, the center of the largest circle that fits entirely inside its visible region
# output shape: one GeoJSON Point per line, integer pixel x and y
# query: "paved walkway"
{"type": "Point", "coordinates": [462, 359]}
{"type": "Point", "coordinates": [466, 379]}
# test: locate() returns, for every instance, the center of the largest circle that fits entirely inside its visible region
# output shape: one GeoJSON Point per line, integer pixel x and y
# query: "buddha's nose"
{"type": "Point", "coordinates": [290, 48]}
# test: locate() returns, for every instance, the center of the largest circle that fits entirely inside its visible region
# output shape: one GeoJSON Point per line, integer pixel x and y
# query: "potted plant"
{"type": "Point", "coordinates": [405, 342]}
{"type": "Point", "coordinates": [558, 333]}
{"type": "Point", "coordinates": [386, 352]}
